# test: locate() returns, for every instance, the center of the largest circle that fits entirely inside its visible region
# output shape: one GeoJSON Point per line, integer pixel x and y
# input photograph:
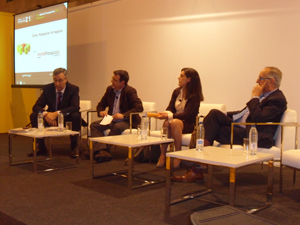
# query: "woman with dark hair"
{"type": "Point", "coordinates": [180, 115]}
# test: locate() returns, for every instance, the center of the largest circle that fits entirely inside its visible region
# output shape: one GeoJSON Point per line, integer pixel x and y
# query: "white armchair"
{"type": "Point", "coordinates": [283, 138]}
{"type": "Point", "coordinates": [148, 107]}
{"type": "Point", "coordinates": [85, 106]}
{"type": "Point", "coordinates": [291, 159]}
{"type": "Point", "coordinates": [203, 111]}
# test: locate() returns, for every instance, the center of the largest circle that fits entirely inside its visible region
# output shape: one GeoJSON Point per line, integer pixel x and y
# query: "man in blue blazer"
{"type": "Point", "coordinates": [121, 100]}
{"type": "Point", "coordinates": [267, 104]}
{"type": "Point", "coordinates": [60, 97]}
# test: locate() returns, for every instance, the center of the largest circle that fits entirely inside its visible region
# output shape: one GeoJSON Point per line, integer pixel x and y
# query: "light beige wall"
{"type": "Point", "coordinates": [227, 42]}
{"type": "Point", "coordinates": [16, 103]}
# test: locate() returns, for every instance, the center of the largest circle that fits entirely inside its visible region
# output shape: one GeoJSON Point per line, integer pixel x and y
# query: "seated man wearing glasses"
{"type": "Point", "coordinates": [60, 97]}
{"type": "Point", "coordinates": [121, 100]}
{"type": "Point", "coordinates": [267, 104]}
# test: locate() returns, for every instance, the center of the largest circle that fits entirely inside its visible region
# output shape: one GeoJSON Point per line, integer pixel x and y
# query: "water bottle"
{"type": "Point", "coordinates": [40, 121]}
{"type": "Point", "coordinates": [253, 140]}
{"type": "Point", "coordinates": [144, 128]}
{"type": "Point", "coordinates": [60, 122]}
{"type": "Point", "coordinates": [200, 136]}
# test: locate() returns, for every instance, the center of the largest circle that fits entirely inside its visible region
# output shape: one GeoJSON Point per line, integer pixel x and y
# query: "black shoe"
{"type": "Point", "coordinates": [73, 153]}
{"type": "Point", "coordinates": [103, 156]}
{"type": "Point", "coordinates": [86, 153]}
{"type": "Point", "coordinates": [39, 151]}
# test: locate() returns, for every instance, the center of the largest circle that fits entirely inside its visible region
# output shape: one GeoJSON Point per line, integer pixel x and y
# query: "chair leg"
{"type": "Point", "coordinates": [280, 179]}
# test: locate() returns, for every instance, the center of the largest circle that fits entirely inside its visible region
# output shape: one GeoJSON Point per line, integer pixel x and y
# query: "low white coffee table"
{"type": "Point", "coordinates": [33, 133]}
{"type": "Point", "coordinates": [233, 159]}
{"type": "Point", "coordinates": [131, 141]}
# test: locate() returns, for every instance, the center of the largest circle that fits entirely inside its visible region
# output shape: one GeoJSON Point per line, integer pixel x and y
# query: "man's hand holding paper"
{"type": "Point", "coordinates": [106, 120]}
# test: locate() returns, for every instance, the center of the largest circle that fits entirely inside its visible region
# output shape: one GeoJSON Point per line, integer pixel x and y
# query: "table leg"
{"type": "Point", "coordinates": [49, 141]}
{"type": "Point", "coordinates": [34, 156]}
{"type": "Point", "coordinates": [168, 181]}
{"type": "Point", "coordinates": [232, 177]}
{"type": "Point", "coordinates": [91, 159]}
{"type": "Point", "coordinates": [172, 147]}
{"type": "Point", "coordinates": [269, 189]}
{"type": "Point", "coordinates": [210, 177]}
{"type": "Point", "coordinates": [130, 166]}
{"type": "Point", "coordinates": [77, 150]}
{"type": "Point", "coordinates": [270, 182]}
{"type": "Point", "coordinates": [169, 173]}
{"type": "Point", "coordinates": [10, 149]}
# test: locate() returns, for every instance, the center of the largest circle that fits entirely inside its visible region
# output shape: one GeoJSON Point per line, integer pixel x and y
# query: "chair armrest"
{"type": "Point", "coordinates": [149, 116]}
{"type": "Point", "coordinates": [85, 110]}
{"type": "Point", "coordinates": [296, 125]}
{"type": "Point", "coordinates": [82, 111]}
{"type": "Point", "coordinates": [282, 125]}
{"type": "Point", "coordinates": [296, 136]}
{"type": "Point", "coordinates": [88, 112]}
{"type": "Point", "coordinates": [130, 117]}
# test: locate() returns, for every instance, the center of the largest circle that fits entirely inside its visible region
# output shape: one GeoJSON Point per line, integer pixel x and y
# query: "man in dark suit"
{"type": "Point", "coordinates": [121, 100]}
{"type": "Point", "coordinates": [60, 97]}
{"type": "Point", "coordinates": [267, 104]}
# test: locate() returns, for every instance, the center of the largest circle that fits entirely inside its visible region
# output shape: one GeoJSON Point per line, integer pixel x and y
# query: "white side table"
{"type": "Point", "coordinates": [33, 133]}
{"type": "Point", "coordinates": [230, 158]}
{"type": "Point", "coordinates": [130, 141]}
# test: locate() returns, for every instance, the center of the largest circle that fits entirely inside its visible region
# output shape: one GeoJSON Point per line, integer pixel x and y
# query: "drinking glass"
{"type": "Point", "coordinates": [246, 146]}
{"type": "Point", "coordinates": [138, 132]}
{"type": "Point", "coordinates": [164, 133]}
{"type": "Point", "coordinates": [69, 126]}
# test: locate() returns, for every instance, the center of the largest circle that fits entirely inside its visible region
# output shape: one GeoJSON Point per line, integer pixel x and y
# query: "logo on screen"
{"type": "Point", "coordinates": [24, 19]}
{"type": "Point", "coordinates": [23, 48]}
{"type": "Point", "coordinates": [48, 53]}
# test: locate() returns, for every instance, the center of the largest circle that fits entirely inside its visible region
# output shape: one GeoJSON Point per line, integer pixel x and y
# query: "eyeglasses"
{"type": "Point", "coordinates": [263, 78]}
{"type": "Point", "coordinates": [114, 79]}
{"type": "Point", "coordinates": [59, 81]}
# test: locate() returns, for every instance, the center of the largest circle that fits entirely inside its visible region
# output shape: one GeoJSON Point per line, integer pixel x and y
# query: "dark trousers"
{"type": "Point", "coordinates": [97, 130]}
{"type": "Point", "coordinates": [74, 117]}
{"type": "Point", "coordinates": [218, 127]}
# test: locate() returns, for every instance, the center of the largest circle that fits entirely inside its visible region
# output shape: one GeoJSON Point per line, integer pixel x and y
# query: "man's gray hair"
{"type": "Point", "coordinates": [60, 70]}
{"type": "Point", "coordinates": [276, 74]}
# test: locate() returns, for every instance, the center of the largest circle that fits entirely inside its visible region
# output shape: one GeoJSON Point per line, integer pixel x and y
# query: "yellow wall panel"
{"type": "Point", "coordinates": [16, 103]}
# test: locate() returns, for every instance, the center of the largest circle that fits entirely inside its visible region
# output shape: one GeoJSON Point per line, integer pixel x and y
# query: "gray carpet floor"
{"type": "Point", "coordinates": [72, 197]}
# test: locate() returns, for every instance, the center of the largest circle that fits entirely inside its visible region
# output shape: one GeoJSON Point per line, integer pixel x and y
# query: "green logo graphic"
{"type": "Point", "coordinates": [23, 48]}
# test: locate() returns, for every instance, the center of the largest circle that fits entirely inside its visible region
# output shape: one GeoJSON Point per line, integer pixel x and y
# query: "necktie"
{"type": "Point", "coordinates": [262, 97]}
{"type": "Point", "coordinates": [237, 117]}
{"type": "Point", "coordinates": [116, 105]}
{"type": "Point", "coordinates": [59, 96]}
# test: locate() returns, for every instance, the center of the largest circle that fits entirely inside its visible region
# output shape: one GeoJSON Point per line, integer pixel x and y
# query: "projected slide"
{"type": "Point", "coordinates": [40, 44]}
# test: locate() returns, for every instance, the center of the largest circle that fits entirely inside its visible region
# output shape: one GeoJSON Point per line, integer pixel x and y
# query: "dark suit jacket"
{"type": "Point", "coordinates": [270, 109]}
{"type": "Point", "coordinates": [191, 108]}
{"type": "Point", "coordinates": [69, 104]}
{"type": "Point", "coordinates": [129, 103]}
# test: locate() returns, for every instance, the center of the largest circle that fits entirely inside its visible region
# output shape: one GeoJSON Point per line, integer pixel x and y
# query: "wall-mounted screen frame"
{"type": "Point", "coordinates": [40, 45]}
